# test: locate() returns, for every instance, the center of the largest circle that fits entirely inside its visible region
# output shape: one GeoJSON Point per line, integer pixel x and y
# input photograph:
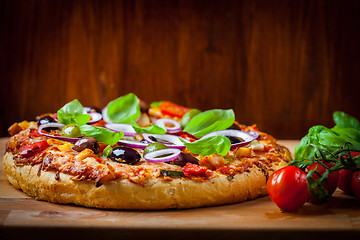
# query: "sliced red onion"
{"type": "Point", "coordinates": [133, 144]}
{"type": "Point", "coordinates": [55, 125]}
{"type": "Point", "coordinates": [95, 117]}
{"type": "Point", "coordinates": [247, 137]}
{"type": "Point", "coordinates": [162, 155]}
{"type": "Point", "coordinates": [171, 141]}
{"type": "Point", "coordinates": [54, 116]}
{"type": "Point", "coordinates": [163, 121]}
{"type": "Point", "coordinates": [127, 129]}
{"type": "Point", "coordinates": [105, 116]}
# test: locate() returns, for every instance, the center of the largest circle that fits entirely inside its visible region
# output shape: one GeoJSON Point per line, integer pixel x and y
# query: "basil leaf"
{"type": "Point", "coordinates": [156, 104]}
{"type": "Point", "coordinates": [325, 139]}
{"type": "Point", "coordinates": [151, 129]}
{"type": "Point", "coordinates": [206, 146]}
{"type": "Point", "coordinates": [101, 134]}
{"type": "Point", "coordinates": [188, 116]}
{"type": "Point", "coordinates": [210, 121]}
{"type": "Point", "coordinates": [345, 120]}
{"type": "Point", "coordinates": [348, 132]}
{"type": "Point", "coordinates": [125, 109]}
{"type": "Point", "coordinates": [73, 112]}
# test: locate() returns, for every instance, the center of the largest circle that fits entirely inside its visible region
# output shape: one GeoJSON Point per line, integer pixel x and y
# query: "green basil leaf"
{"type": "Point", "coordinates": [188, 116]}
{"type": "Point", "coordinates": [101, 134]}
{"type": "Point", "coordinates": [156, 104]}
{"type": "Point", "coordinates": [345, 120]}
{"type": "Point", "coordinates": [125, 109]}
{"type": "Point", "coordinates": [73, 112]}
{"type": "Point", "coordinates": [206, 146]}
{"type": "Point", "coordinates": [325, 139]}
{"type": "Point", "coordinates": [82, 119]}
{"type": "Point", "coordinates": [151, 129]}
{"type": "Point", "coordinates": [210, 121]}
{"type": "Point", "coordinates": [350, 133]}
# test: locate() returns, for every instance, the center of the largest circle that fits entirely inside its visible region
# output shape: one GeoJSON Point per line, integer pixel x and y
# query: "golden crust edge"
{"type": "Point", "coordinates": [123, 194]}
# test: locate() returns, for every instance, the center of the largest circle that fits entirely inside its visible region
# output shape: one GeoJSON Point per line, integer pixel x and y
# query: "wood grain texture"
{"type": "Point", "coordinates": [285, 65]}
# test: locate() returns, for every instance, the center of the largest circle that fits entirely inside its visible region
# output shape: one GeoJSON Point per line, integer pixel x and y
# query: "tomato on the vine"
{"type": "Point", "coordinates": [172, 109]}
{"type": "Point", "coordinates": [288, 188]}
{"type": "Point", "coordinates": [345, 177]}
{"type": "Point", "coordinates": [330, 185]}
{"type": "Point", "coordinates": [344, 183]}
{"type": "Point", "coordinates": [355, 184]}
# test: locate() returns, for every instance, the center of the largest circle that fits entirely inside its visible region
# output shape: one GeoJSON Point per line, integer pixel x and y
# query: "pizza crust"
{"type": "Point", "coordinates": [156, 193]}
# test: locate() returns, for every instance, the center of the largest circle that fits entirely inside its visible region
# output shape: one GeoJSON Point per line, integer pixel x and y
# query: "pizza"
{"type": "Point", "coordinates": [131, 155]}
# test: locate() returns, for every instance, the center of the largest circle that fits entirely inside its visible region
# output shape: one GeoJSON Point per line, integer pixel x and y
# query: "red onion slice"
{"type": "Point", "coordinates": [127, 129]}
{"type": "Point", "coordinates": [247, 137]}
{"type": "Point", "coordinates": [95, 117]}
{"type": "Point", "coordinates": [162, 155]}
{"type": "Point", "coordinates": [163, 121]}
{"type": "Point", "coordinates": [132, 144]}
{"type": "Point", "coordinates": [171, 141]}
{"type": "Point", "coordinates": [56, 125]}
{"type": "Point", "coordinates": [105, 116]}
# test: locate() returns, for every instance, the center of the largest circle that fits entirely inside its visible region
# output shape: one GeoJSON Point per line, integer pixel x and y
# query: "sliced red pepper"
{"type": "Point", "coordinates": [193, 170]}
{"type": "Point", "coordinates": [34, 133]}
{"type": "Point", "coordinates": [172, 109]}
{"type": "Point", "coordinates": [31, 149]}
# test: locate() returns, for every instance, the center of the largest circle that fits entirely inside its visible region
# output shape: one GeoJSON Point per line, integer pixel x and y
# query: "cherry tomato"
{"type": "Point", "coordinates": [193, 170]}
{"type": "Point", "coordinates": [288, 188]}
{"type": "Point", "coordinates": [31, 149]}
{"type": "Point", "coordinates": [331, 183]}
{"type": "Point", "coordinates": [345, 180]}
{"type": "Point", "coordinates": [172, 109]}
{"type": "Point", "coordinates": [355, 184]}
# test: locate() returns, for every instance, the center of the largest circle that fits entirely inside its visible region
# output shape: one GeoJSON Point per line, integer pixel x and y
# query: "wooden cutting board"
{"type": "Point", "coordinates": [21, 216]}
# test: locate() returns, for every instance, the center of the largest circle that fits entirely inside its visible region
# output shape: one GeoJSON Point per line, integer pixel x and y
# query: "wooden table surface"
{"type": "Point", "coordinates": [22, 216]}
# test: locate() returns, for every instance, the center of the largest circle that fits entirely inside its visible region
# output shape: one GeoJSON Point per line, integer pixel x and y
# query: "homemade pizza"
{"type": "Point", "coordinates": [131, 155]}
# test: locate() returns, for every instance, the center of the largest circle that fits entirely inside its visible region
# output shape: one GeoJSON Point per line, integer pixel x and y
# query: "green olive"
{"type": "Point", "coordinates": [71, 130]}
{"type": "Point", "coordinates": [153, 147]}
{"type": "Point", "coordinates": [188, 116]}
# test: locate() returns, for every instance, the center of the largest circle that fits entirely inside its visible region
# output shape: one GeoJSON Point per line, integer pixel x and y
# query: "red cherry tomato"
{"type": "Point", "coordinates": [193, 170]}
{"type": "Point", "coordinates": [345, 180]}
{"type": "Point", "coordinates": [355, 184]}
{"type": "Point", "coordinates": [31, 149]}
{"type": "Point", "coordinates": [345, 177]}
{"type": "Point", "coordinates": [172, 109]}
{"type": "Point", "coordinates": [331, 183]}
{"type": "Point", "coordinates": [288, 188]}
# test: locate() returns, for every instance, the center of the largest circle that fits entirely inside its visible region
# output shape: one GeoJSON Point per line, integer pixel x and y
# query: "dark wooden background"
{"type": "Point", "coordinates": [285, 65]}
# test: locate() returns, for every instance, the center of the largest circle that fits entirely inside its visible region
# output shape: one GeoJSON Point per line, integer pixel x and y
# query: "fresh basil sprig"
{"type": "Point", "coordinates": [345, 120]}
{"type": "Point", "coordinates": [154, 129]}
{"type": "Point", "coordinates": [210, 121]}
{"type": "Point", "coordinates": [209, 145]}
{"type": "Point", "coordinates": [323, 145]}
{"type": "Point", "coordinates": [73, 112]}
{"type": "Point", "coordinates": [101, 134]}
{"type": "Point", "coordinates": [327, 139]}
{"type": "Point", "coordinates": [125, 109]}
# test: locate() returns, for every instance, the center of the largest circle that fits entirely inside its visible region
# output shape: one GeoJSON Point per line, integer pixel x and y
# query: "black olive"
{"type": "Point", "coordinates": [125, 155]}
{"type": "Point", "coordinates": [235, 127]}
{"type": "Point", "coordinates": [45, 120]}
{"type": "Point", "coordinates": [153, 139]}
{"type": "Point", "coordinates": [184, 158]}
{"type": "Point", "coordinates": [87, 142]}
{"type": "Point", "coordinates": [234, 139]}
